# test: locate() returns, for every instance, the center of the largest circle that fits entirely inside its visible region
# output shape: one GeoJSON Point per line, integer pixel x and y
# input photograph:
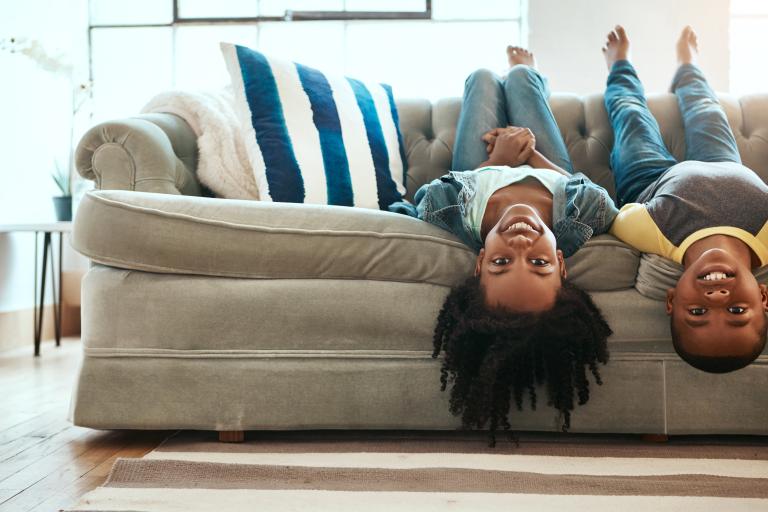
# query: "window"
{"type": "Point", "coordinates": [749, 24]}
{"type": "Point", "coordinates": [422, 48]}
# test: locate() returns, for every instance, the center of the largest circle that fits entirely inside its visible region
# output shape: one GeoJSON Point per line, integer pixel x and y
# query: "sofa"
{"type": "Point", "coordinates": [231, 315]}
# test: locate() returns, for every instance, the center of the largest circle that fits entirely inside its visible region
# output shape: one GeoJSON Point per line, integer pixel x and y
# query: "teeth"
{"type": "Point", "coordinates": [520, 225]}
{"type": "Point", "coordinates": [715, 276]}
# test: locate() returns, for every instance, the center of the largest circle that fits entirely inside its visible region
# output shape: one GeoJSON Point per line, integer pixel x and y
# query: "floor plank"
{"type": "Point", "coordinates": [46, 463]}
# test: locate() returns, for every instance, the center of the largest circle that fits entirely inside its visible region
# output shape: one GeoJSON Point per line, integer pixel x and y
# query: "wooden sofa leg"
{"type": "Point", "coordinates": [231, 436]}
{"type": "Point", "coordinates": [655, 438]}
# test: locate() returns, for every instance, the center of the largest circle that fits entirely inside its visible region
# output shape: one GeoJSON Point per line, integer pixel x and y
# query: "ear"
{"type": "Point", "coordinates": [764, 296]}
{"type": "Point", "coordinates": [670, 300]}
{"type": "Point", "coordinates": [479, 262]}
{"type": "Point", "coordinates": [561, 261]}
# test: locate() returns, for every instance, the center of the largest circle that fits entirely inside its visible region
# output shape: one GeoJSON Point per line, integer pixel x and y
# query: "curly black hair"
{"type": "Point", "coordinates": [494, 355]}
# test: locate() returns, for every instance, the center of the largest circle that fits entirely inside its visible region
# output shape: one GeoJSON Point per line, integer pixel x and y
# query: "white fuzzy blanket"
{"type": "Point", "coordinates": [223, 164]}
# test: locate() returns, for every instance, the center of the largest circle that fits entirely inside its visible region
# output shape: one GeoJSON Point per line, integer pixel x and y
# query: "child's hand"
{"type": "Point", "coordinates": [511, 146]}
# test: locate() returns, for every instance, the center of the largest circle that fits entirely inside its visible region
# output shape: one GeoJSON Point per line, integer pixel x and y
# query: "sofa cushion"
{"type": "Point", "coordinates": [316, 138]}
{"type": "Point", "coordinates": [604, 263]}
{"type": "Point", "coordinates": [205, 236]}
{"type": "Point", "coordinates": [237, 238]}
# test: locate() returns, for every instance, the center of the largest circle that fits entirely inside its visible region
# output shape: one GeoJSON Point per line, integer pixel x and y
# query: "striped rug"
{"type": "Point", "coordinates": [426, 471]}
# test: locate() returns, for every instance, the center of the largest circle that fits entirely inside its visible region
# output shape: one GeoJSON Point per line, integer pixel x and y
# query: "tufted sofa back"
{"type": "Point", "coordinates": [429, 131]}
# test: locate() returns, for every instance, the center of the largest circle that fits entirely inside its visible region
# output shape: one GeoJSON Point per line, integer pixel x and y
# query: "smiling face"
{"type": "Point", "coordinates": [718, 309]}
{"type": "Point", "coordinates": [520, 267]}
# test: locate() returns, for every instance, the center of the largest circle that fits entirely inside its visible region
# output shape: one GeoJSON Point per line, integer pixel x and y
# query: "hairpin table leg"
{"type": "Point", "coordinates": [39, 330]}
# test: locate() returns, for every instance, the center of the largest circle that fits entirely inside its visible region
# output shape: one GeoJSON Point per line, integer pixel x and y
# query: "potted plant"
{"type": "Point", "coordinates": [60, 65]}
{"type": "Point", "coordinates": [63, 203]}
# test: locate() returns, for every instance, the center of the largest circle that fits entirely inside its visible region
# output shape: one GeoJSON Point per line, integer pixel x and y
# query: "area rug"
{"type": "Point", "coordinates": [433, 471]}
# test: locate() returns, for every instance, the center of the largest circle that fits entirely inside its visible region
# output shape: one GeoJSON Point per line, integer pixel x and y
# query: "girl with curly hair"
{"type": "Point", "coordinates": [513, 197]}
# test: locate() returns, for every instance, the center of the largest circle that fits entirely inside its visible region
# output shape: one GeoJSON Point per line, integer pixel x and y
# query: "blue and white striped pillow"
{"type": "Point", "coordinates": [317, 138]}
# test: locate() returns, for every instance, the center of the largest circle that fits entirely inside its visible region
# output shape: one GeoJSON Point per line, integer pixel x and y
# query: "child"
{"type": "Point", "coordinates": [709, 213]}
{"type": "Point", "coordinates": [517, 322]}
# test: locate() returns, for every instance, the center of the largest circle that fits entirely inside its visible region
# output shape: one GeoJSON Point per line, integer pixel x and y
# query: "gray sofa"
{"type": "Point", "coordinates": [213, 314]}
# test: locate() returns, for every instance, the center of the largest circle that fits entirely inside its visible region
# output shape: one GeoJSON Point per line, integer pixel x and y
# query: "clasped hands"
{"type": "Point", "coordinates": [511, 146]}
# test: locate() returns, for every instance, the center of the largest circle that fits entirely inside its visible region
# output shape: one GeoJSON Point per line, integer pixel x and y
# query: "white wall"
{"type": "Point", "coordinates": [34, 130]}
{"type": "Point", "coordinates": [567, 35]}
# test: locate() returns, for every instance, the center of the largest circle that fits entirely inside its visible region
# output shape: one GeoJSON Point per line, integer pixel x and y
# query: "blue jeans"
{"type": "Point", "coordinates": [518, 99]}
{"type": "Point", "coordinates": [639, 155]}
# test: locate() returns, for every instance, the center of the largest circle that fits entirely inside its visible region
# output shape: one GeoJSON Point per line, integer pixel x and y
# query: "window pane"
{"type": "Point", "coordinates": [199, 64]}
{"type": "Point", "coordinates": [748, 47]}
{"type": "Point", "coordinates": [218, 9]}
{"type": "Point", "coordinates": [386, 5]}
{"type": "Point", "coordinates": [319, 44]}
{"type": "Point", "coordinates": [135, 12]}
{"type": "Point", "coordinates": [278, 7]}
{"type": "Point", "coordinates": [749, 7]}
{"type": "Point", "coordinates": [438, 66]}
{"type": "Point", "coordinates": [130, 66]}
{"type": "Point", "coordinates": [487, 9]}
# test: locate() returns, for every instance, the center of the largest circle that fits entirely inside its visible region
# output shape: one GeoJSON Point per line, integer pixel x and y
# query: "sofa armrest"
{"type": "Point", "coordinates": [147, 153]}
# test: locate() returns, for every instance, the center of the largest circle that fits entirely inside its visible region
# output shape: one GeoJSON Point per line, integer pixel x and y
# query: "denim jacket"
{"type": "Point", "coordinates": [580, 209]}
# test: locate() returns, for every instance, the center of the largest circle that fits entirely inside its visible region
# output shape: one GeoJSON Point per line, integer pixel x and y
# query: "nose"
{"type": "Point", "coordinates": [519, 241]}
{"type": "Point", "coordinates": [717, 296]}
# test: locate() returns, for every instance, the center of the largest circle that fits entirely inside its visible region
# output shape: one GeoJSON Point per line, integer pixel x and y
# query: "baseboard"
{"type": "Point", "coordinates": [17, 329]}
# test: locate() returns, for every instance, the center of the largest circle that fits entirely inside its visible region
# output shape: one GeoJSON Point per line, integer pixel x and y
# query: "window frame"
{"type": "Point", "coordinates": [428, 14]}
{"type": "Point", "coordinates": [289, 16]}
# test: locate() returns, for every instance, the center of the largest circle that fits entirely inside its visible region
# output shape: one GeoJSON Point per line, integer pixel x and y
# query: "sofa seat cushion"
{"type": "Point", "coordinates": [604, 263]}
{"type": "Point", "coordinates": [264, 240]}
{"type": "Point", "coordinates": [252, 239]}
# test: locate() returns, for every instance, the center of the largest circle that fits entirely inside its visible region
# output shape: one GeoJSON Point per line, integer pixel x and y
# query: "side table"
{"type": "Point", "coordinates": [47, 229]}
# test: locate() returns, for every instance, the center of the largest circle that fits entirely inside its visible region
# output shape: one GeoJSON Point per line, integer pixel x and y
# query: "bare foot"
{"type": "Point", "coordinates": [616, 46]}
{"type": "Point", "coordinates": [687, 47]}
{"type": "Point", "coordinates": [518, 55]}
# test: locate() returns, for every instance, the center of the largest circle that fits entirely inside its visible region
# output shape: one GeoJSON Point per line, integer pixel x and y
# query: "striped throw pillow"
{"type": "Point", "coordinates": [314, 137]}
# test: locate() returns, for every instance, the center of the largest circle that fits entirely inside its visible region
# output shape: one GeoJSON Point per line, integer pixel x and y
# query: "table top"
{"type": "Point", "coordinates": [50, 227]}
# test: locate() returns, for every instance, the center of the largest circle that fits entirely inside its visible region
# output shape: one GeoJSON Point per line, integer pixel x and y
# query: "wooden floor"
{"type": "Point", "coordinates": [46, 463]}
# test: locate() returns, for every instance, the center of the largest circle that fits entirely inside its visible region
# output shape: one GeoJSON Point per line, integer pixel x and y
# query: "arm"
{"type": "Point", "coordinates": [519, 147]}
{"type": "Point", "coordinates": [539, 161]}
{"type": "Point", "coordinates": [511, 146]}
{"type": "Point", "coordinates": [148, 153]}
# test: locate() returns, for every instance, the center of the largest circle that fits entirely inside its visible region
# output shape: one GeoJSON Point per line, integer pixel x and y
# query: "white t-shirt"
{"type": "Point", "coordinates": [492, 178]}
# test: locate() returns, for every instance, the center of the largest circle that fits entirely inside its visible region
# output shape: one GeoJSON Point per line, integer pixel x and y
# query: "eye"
{"type": "Point", "coordinates": [500, 262]}
{"type": "Point", "coordinates": [737, 310]}
{"type": "Point", "coordinates": [539, 262]}
{"type": "Point", "coordinates": [697, 311]}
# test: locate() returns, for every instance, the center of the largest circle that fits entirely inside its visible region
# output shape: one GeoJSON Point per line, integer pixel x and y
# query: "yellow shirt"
{"type": "Point", "coordinates": [634, 226]}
